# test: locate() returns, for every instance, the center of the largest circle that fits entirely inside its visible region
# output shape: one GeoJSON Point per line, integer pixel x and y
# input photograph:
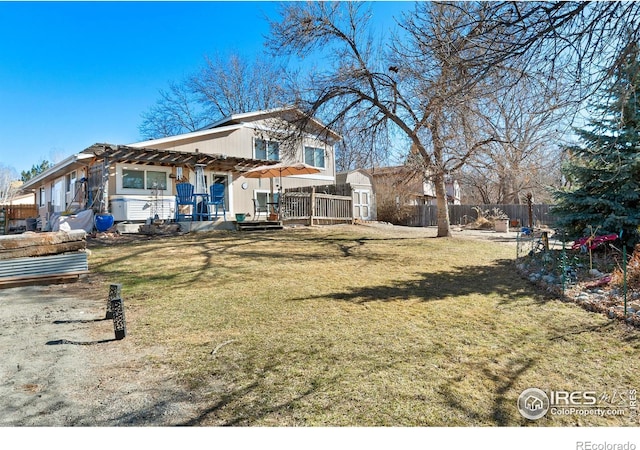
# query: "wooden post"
{"type": "Point", "coordinates": [119, 322]}
{"type": "Point", "coordinates": [350, 208]}
{"type": "Point", "coordinates": [312, 206]}
{"type": "Point", "coordinates": [115, 291]}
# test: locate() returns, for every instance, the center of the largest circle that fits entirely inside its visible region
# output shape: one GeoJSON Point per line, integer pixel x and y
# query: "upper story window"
{"type": "Point", "coordinates": [314, 156]}
{"type": "Point", "coordinates": [269, 150]}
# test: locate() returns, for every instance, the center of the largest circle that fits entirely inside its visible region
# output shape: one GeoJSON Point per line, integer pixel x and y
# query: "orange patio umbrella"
{"type": "Point", "coordinates": [280, 170]}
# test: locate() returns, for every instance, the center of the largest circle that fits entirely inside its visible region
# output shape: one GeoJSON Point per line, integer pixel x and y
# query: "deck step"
{"type": "Point", "coordinates": [259, 226]}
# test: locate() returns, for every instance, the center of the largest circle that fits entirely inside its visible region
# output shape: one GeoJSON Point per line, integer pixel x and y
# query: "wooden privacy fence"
{"type": "Point", "coordinates": [9, 214]}
{"type": "Point", "coordinates": [20, 212]}
{"type": "Point", "coordinates": [427, 215]}
{"type": "Point", "coordinates": [315, 208]}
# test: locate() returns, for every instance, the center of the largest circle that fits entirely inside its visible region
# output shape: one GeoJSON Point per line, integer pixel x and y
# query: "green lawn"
{"type": "Point", "coordinates": [351, 326]}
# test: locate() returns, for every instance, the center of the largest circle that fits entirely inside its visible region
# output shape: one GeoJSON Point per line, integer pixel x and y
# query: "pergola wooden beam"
{"type": "Point", "coordinates": [159, 157]}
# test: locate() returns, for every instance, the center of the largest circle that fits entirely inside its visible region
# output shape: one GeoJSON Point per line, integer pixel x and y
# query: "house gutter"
{"type": "Point", "coordinates": [55, 171]}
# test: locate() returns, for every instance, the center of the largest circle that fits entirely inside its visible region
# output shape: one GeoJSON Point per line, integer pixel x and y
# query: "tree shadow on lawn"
{"type": "Point", "coordinates": [214, 249]}
{"type": "Point", "coordinates": [240, 406]}
{"type": "Point", "coordinates": [500, 278]}
{"type": "Point", "coordinates": [502, 407]}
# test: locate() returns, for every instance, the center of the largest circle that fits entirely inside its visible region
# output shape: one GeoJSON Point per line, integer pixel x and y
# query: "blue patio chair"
{"type": "Point", "coordinates": [184, 196]}
{"type": "Point", "coordinates": [216, 198]}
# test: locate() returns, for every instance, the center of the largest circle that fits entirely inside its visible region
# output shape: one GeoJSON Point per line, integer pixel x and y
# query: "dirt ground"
{"type": "Point", "coordinates": [61, 365]}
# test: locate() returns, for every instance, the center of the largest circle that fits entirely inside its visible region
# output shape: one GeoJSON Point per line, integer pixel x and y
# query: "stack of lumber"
{"type": "Point", "coordinates": [42, 257]}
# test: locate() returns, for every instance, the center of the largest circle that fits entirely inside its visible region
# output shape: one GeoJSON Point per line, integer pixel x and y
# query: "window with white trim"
{"type": "Point", "coordinates": [143, 179]}
{"type": "Point", "coordinates": [70, 182]}
{"type": "Point", "coordinates": [43, 197]}
{"type": "Point", "coordinates": [268, 150]}
{"type": "Point", "coordinates": [314, 156]}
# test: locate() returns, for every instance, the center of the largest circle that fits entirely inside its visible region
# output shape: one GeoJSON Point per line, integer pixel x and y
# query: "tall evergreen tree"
{"type": "Point", "coordinates": [35, 170]}
{"type": "Point", "coordinates": [603, 172]}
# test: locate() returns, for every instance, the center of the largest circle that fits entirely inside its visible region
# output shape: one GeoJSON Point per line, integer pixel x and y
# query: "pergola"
{"type": "Point", "coordinates": [106, 154]}
{"type": "Point", "coordinates": [150, 156]}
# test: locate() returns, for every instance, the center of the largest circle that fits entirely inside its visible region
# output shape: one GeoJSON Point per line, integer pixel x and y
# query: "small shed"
{"type": "Point", "coordinates": [361, 182]}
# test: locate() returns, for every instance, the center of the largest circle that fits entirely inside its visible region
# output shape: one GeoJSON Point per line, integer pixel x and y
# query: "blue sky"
{"type": "Point", "coordinates": [76, 73]}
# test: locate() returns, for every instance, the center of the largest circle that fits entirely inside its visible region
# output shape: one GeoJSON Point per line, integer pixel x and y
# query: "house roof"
{"type": "Point", "coordinates": [186, 136]}
{"type": "Point", "coordinates": [236, 121]}
{"type": "Point", "coordinates": [289, 113]}
{"type": "Point", "coordinates": [63, 167]}
{"type": "Point", "coordinates": [252, 116]}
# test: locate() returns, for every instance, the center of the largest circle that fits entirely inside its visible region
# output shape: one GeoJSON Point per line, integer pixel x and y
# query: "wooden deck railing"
{"type": "Point", "coordinates": [317, 208]}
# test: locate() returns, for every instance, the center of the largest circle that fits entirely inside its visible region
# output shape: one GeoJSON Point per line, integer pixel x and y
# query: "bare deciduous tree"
{"type": "Point", "coordinates": [422, 87]}
{"type": "Point", "coordinates": [528, 120]}
{"type": "Point", "coordinates": [175, 112]}
{"type": "Point", "coordinates": [220, 88]}
{"type": "Point", "coordinates": [588, 40]}
{"type": "Point", "coordinates": [8, 178]}
{"type": "Point", "coordinates": [235, 85]}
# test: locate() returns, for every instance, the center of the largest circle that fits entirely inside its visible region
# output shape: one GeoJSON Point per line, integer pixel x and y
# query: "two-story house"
{"type": "Point", "coordinates": [137, 181]}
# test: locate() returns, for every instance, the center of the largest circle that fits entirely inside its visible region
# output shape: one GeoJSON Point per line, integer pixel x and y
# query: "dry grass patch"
{"type": "Point", "coordinates": [350, 326]}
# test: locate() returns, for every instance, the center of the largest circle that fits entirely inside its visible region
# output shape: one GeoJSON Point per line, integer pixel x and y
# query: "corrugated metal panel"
{"type": "Point", "coordinates": [44, 265]}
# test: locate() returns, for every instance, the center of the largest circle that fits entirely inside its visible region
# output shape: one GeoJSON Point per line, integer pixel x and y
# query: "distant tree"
{"type": "Point", "coordinates": [225, 86]}
{"type": "Point", "coordinates": [528, 121]}
{"type": "Point", "coordinates": [8, 176]}
{"type": "Point", "coordinates": [175, 112]}
{"type": "Point", "coordinates": [603, 173]}
{"type": "Point", "coordinates": [360, 149]}
{"type": "Point", "coordinates": [221, 87]}
{"type": "Point", "coordinates": [36, 169]}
